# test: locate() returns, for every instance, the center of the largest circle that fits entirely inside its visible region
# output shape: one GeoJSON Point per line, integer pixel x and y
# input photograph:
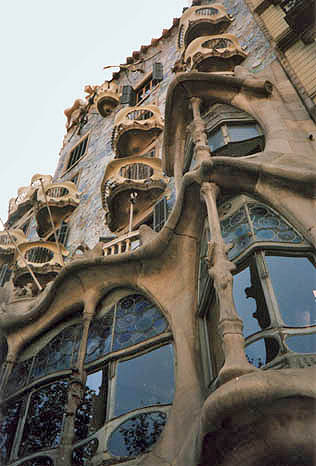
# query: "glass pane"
{"type": "Point", "coordinates": [8, 426]}
{"type": "Point", "coordinates": [99, 337]}
{"type": "Point", "coordinates": [236, 230]}
{"type": "Point", "coordinates": [59, 354]}
{"type": "Point", "coordinates": [90, 415]}
{"type": "Point", "coordinates": [302, 343]}
{"type": "Point", "coordinates": [18, 377]}
{"type": "Point", "coordinates": [216, 140]}
{"type": "Point", "coordinates": [137, 319]}
{"type": "Point", "coordinates": [242, 132]}
{"type": "Point", "coordinates": [294, 283]}
{"type": "Point", "coordinates": [44, 419]}
{"type": "Point", "coordinates": [82, 455]}
{"type": "Point", "coordinates": [137, 434]}
{"type": "Point", "coordinates": [145, 381]}
{"type": "Point", "coordinates": [262, 351]}
{"type": "Point", "coordinates": [250, 306]}
{"type": "Point", "coordinates": [270, 227]}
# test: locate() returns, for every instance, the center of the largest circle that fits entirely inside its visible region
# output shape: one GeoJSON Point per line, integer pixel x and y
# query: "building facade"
{"type": "Point", "coordinates": [158, 293]}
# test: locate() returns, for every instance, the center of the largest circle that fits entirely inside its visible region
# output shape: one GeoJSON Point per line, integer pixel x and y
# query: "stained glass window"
{"type": "Point", "coordinates": [44, 418]}
{"type": "Point", "coordinates": [137, 434]}
{"type": "Point", "coordinates": [100, 337]}
{"type": "Point", "coordinates": [137, 320]}
{"type": "Point", "coordinates": [19, 376]}
{"type": "Point", "coordinates": [59, 354]}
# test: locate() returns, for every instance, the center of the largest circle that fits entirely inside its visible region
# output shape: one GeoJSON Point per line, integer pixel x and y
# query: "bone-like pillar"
{"type": "Point", "coordinates": [201, 151]}
{"type": "Point", "coordinates": [230, 325]}
{"type": "Point", "coordinates": [76, 388]}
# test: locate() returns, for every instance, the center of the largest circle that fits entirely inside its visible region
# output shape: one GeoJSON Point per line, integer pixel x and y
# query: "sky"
{"type": "Point", "coordinates": [50, 50]}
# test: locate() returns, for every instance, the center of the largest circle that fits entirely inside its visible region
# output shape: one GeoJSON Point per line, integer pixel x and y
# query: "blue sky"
{"type": "Point", "coordinates": [50, 50]}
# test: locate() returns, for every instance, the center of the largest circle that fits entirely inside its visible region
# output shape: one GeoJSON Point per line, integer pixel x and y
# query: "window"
{"type": "Point", "coordinates": [62, 234]}
{"type": "Point", "coordinates": [129, 385]}
{"type": "Point", "coordinates": [160, 214]}
{"type": "Point", "coordinates": [5, 274]}
{"type": "Point", "coordinates": [75, 179]}
{"type": "Point", "coordinates": [77, 152]}
{"type": "Point", "coordinates": [236, 139]}
{"type": "Point", "coordinates": [146, 87]}
{"type": "Point", "coordinates": [274, 286]}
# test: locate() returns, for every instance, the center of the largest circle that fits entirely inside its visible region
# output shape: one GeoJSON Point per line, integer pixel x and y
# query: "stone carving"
{"type": "Point", "coordinates": [199, 21]}
{"type": "Point", "coordinates": [107, 98]}
{"type": "Point", "coordinates": [214, 53]}
{"type": "Point", "coordinates": [135, 128]}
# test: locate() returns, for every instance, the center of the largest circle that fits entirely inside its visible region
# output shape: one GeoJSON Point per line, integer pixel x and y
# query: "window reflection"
{"type": "Point", "coordinates": [145, 381]}
{"type": "Point", "coordinates": [294, 279]}
{"type": "Point", "coordinates": [8, 426]}
{"type": "Point", "coordinates": [44, 418]}
{"type": "Point", "coordinates": [262, 351]}
{"type": "Point", "coordinates": [137, 434]}
{"type": "Point", "coordinates": [305, 343]}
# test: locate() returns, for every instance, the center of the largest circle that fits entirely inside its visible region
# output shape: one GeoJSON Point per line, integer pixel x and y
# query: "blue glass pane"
{"type": "Point", "coordinates": [99, 337]}
{"type": "Point", "coordinates": [242, 132]}
{"type": "Point", "coordinates": [246, 306]}
{"type": "Point", "coordinates": [137, 320]}
{"type": "Point", "coordinates": [236, 230]}
{"type": "Point", "coordinates": [302, 343]}
{"type": "Point", "coordinates": [256, 353]}
{"type": "Point", "coordinates": [270, 227]}
{"type": "Point", "coordinates": [145, 381]}
{"type": "Point", "coordinates": [38, 461]}
{"type": "Point", "coordinates": [216, 140]}
{"type": "Point", "coordinates": [18, 377]}
{"type": "Point", "coordinates": [59, 354]}
{"type": "Point", "coordinates": [137, 434]}
{"type": "Point", "coordinates": [294, 284]}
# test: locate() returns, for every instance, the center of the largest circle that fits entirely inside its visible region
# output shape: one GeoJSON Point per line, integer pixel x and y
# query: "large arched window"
{"type": "Point", "coordinates": [129, 386]}
{"type": "Point", "coordinates": [130, 377]}
{"type": "Point", "coordinates": [274, 288]}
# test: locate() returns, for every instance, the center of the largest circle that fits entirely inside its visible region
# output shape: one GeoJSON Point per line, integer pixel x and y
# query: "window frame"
{"type": "Point", "coordinates": [67, 168]}
{"type": "Point", "coordinates": [277, 329]}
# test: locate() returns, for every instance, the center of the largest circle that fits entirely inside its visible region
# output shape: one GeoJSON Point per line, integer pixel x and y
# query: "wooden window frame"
{"type": "Point", "coordinates": [67, 168]}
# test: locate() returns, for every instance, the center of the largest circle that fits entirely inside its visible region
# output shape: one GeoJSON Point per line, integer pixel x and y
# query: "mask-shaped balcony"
{"type": "Point", "coordinates": [43, 258]}
{"type": "Point", "coordinates": [136, 176]}
{"type": "Point", "coordinates": [7, 248]}
{"type": "Point", "coordinates": [135, 128]}
{"type": "Point", "coordinates": [201, 21]}
{"type": "Point", "coordinates": [62, 199]}
{"type": "Point", "coordinates": [214, 53]}
{"type": "Point", "coordinates": [107, 98]}
{"type": "Point", "coordinates": [24, 201]}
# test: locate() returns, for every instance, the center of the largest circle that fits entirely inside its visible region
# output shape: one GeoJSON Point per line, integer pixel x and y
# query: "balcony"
{"type": "Point", "coordinates": [135, 129]}
{"type": "Point", "coordinates": [44, 259]}
{"type": "Point", "coordinates": [138, 176]}
{"type": "Point", "coordinates": [201, 21]}
{"type": "Point", "coordinates": [300, 16]}
{"type": "Point", "coordinates": [7, 248]}
{"type": "Point", "coordinates": [24, 201]}
{"type": "Point", "coordinates": [62, 199]}
{"type": "Point", "coordinates": [125, 243]}
{"type": "Point", "coordinates": [214, 53]}
{"type": "Point", "coordinates": [107, 98]}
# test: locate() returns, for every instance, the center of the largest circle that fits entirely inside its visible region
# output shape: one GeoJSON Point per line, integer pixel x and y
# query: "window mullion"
{"type": "Point", "coordinates": [112, 373]}
{"type": "Point", "coordinates": [20, 427]}
{"type": "Point", "coordinates": [271, 301]}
